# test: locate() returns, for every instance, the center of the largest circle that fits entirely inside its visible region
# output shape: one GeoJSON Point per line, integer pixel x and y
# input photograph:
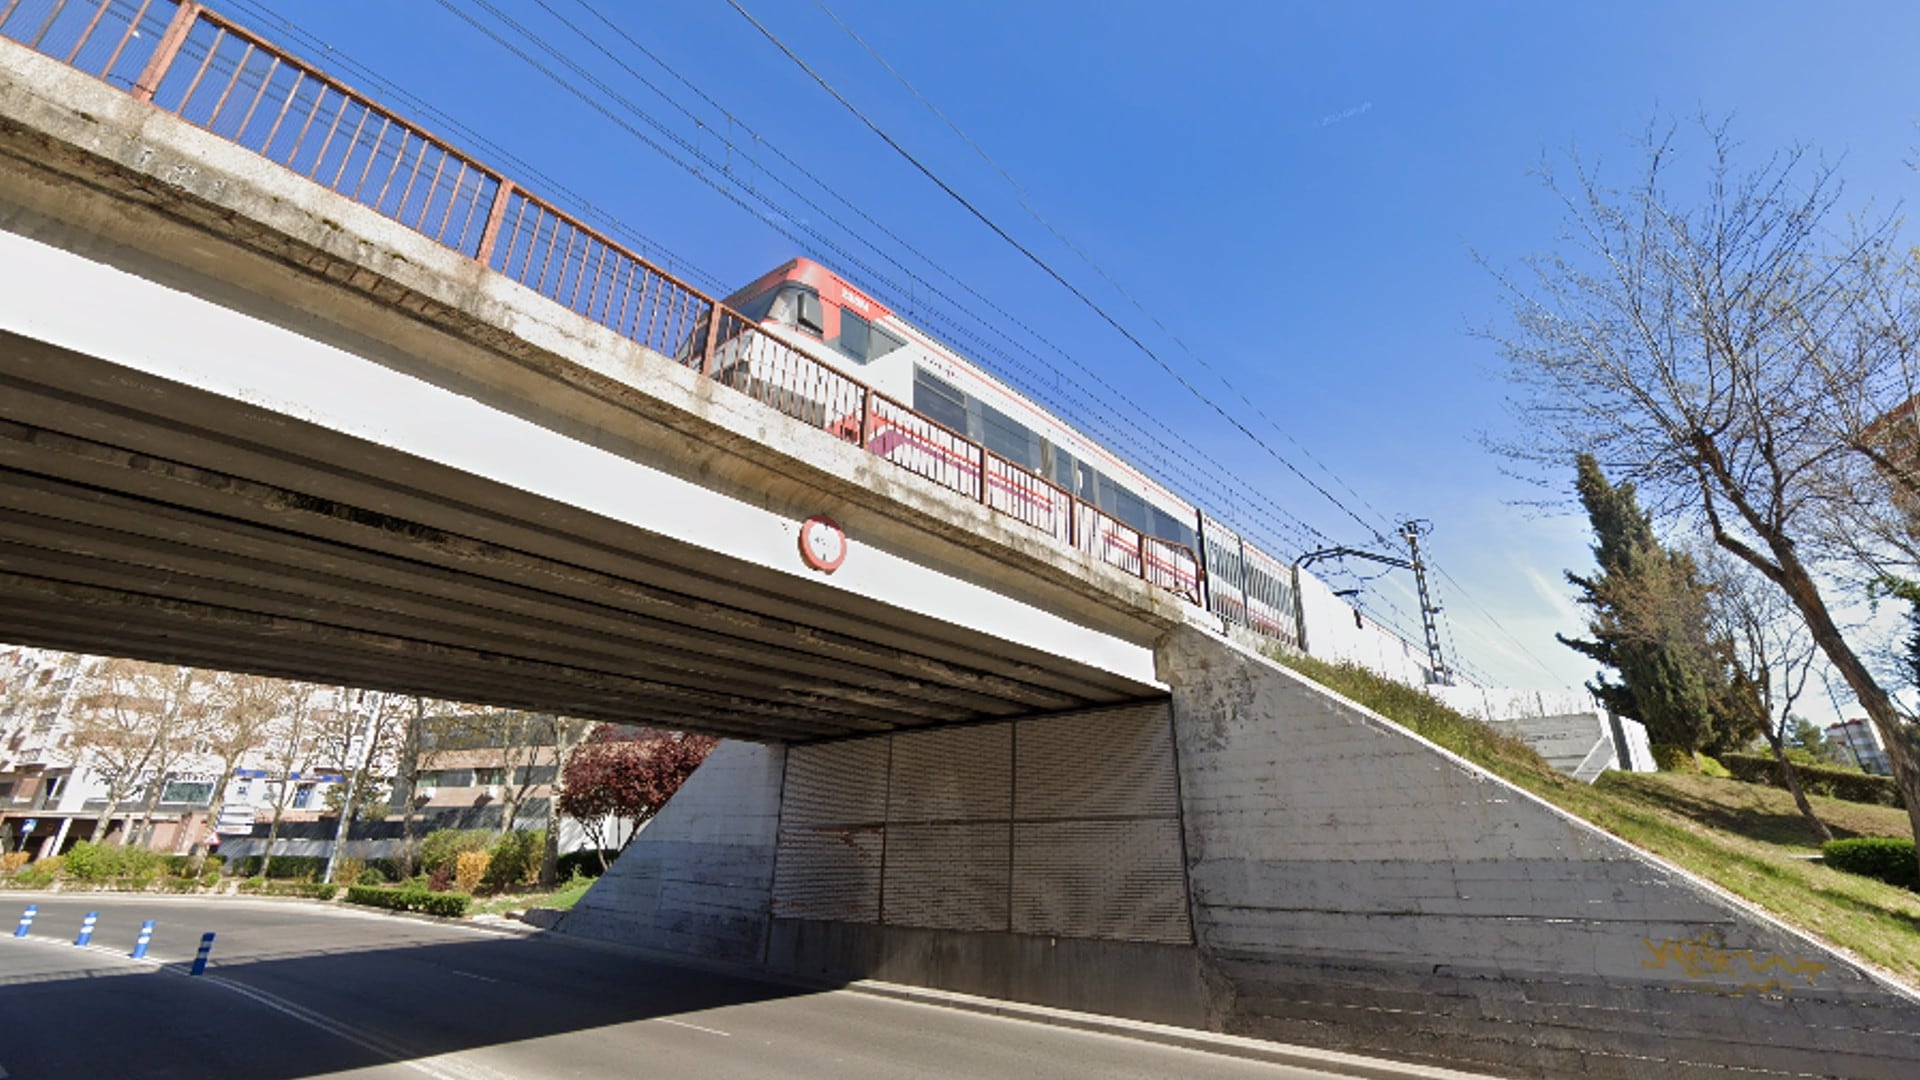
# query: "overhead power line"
{"type": "Point", "coordinates": [1046, 267]}
{"type": "Point", "coordinates": [1026, 203]}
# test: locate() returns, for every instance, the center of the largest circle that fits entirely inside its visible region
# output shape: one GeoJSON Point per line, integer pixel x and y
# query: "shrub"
{"type": "Point", "coordinates": [92, 863]}
{"type": "Point", "coordinates": [584, 863]}
{"type": "Point", "coordinates": [387, 869]}
{"type": "Point", "coordinates": [181, 866]}
{"type": "Point", "coordinates": [1824, 780]}
{"type": "Point", "coordinates": [40, 874]}
{"type": "Point", "coordinates": [349, 870]}
{"type": "Point", "coordinates": [1888, 859]}
{"type": "Point", "coordinates": [440, 880]}
{"type": "Point", "coordinates": [370, 875]}
{"type": "Point", "coordinates": [515, 859]}
{"type": "Point", "coordinates": [442, 847]}
{"type": "Point", "coordinates": [449, 905]}
{"type": "Point", "coordinates": [1710, 766]}
{"type": "Point", "coordinates": [469, 868]}
{"type": "Point", "coordinates": [12, 861]}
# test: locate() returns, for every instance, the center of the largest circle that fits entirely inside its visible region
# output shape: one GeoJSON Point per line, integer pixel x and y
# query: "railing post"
{"type": "Point", "coordinates": [1143, 558]}
{"type": "Point", "coordinates": [866, 419]}
{"type": "Point", "coordinates": [985, 456]}
{"type": "Point", "coordinates": [713, 336]}
{"type": "Point", "coordinates": [168, 48]}
{"type": "Point", "coordinates": [496, 214]}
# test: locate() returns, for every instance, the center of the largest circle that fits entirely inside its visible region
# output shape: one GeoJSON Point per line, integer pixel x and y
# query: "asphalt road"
{"type": "Point", "coordinates": [305, 990]}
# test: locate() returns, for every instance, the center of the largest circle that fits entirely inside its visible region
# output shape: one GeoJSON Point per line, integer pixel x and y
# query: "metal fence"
{"type": "Point", "coordinates": [202, 67]}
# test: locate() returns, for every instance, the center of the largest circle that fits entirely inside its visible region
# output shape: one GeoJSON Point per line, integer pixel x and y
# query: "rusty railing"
{"type": "Point", "coordinates": [194, 63]}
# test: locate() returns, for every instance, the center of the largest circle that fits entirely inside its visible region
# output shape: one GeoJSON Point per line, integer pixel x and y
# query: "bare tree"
{"type": "Point", "coordinates": [360, 734]}
{"type": "Point", "coordinates": [289, 748]}
{"type": "Point", "coordinates": [242, 713]}
{"type": "Point", "coordinates": [1732, 356]}
{"type": "Point", "coordinates": [135, 719]}
{"type": "Point", "coordinates": [1772, 655]}
{"type": "Point", "coordinates": [566, 733]}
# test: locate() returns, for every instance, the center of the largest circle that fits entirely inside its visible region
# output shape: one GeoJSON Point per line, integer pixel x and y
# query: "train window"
{"type": "Point", "coordinates": [853, 336]}
{"type": "Point", "coordinates": [883, 343]}
{"type": "Point", "coordinates": [808, 313]}
{"type": "Point", "coordinates": [1130, 508]}
{"type": "Point", "coordinates": [1062, 467]}
{"type": "Point", "coordinates": [939, 400]}
{"type": "Point", "coordinates": [1006, 436]}
{"type": "Point", "coordinates": [1168, 527]}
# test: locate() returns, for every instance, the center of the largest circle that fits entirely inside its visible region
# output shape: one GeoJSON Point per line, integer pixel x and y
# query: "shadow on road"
{"type": "Point", "coordinates": [300, 1013]}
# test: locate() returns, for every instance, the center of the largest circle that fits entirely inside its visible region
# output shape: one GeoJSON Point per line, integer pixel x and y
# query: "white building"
{"type": "Point", "coordinates": [1857, 742]}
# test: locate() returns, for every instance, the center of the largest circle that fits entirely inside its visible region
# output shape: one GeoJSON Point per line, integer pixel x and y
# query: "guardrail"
{"type": "Point", "coordinates": [189, 60]}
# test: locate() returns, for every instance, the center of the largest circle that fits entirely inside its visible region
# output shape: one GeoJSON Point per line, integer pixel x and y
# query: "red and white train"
{"type": "Point", "coordinates": [933, 411]}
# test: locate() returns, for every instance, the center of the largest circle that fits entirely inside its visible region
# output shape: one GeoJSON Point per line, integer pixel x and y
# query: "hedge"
{"type": "Point", "coordinates": [450, 904]}
{"type": "Point", "coordinates": [310, 890]}
{"type": "Point", "coordinates": [284, 866]}
{"type": "Point", "coordinates": [1890, 860]}
{"type": "Point", "coordinates": [1817, 780]}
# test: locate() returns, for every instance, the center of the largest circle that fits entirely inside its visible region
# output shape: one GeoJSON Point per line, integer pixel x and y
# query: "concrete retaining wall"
{"type": "Point", "coordinates": [1356, 887]}
{"type": "Point", "coordinates": [699, 879]}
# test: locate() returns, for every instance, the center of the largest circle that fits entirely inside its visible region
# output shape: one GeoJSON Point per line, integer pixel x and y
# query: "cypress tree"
{"type": "Point", "coordinates": [1649, 623]}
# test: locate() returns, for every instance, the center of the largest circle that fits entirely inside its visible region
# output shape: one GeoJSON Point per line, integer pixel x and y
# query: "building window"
{"type": "Point", "coordinates": [191, 792]}
{"type": "Point", "coordinates": [489, 777]}
{"type": "Point", "coordinates": [302, 795]}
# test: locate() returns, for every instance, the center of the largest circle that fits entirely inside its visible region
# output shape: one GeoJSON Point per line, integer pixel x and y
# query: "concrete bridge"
{"type": "Point", "coordinates": [268, 407]}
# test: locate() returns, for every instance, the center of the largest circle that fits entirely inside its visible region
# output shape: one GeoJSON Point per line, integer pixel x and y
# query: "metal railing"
{"type": "Point", "coordinates": [194, 63]}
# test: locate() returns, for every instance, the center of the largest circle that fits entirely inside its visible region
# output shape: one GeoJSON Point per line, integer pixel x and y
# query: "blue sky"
{"type": "Point", "coordinates": [1294, 194]}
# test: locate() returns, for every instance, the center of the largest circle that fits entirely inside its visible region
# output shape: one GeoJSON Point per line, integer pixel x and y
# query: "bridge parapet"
{"type": "Point", "coordinates": [195, 64]}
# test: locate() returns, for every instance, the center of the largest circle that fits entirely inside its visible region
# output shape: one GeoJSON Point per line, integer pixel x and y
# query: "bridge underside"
{"type": "Point", "coordinates": [146, 518]}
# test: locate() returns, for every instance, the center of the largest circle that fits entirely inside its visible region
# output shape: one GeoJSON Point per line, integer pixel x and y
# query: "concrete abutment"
{"type": "Point", "coordinates": [1331, 880]}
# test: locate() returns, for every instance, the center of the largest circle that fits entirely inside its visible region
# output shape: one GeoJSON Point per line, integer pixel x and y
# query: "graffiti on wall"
{"type": "Point", "coordinates": [1703, 959]}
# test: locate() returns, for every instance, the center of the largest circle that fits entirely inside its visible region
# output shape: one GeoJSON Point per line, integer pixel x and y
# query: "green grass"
{"type": "Point", "coordinates": [1747, 838]}
{"type": "Point", "coordinates": [562, 898]}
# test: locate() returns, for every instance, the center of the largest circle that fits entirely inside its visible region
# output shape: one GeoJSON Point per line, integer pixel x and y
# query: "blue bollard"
{"type": "Point", "coordinates": [86, 928]}
{"type": "Point", "coordinates": [26, 920]}
{"type": "Point", "coordinates": [146, 936]}
{"type": "Point", "coordinates": [200, 961]}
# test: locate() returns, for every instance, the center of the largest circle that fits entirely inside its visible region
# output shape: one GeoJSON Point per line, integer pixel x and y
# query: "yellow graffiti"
{"type": "Point", "coordinates": [1700, 958]}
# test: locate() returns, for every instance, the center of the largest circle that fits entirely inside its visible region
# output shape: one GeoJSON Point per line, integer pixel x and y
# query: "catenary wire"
{"type": "Point", "coordinates": [1026, 203]}
{"type": "Point", "coordinates": [1047, 269]}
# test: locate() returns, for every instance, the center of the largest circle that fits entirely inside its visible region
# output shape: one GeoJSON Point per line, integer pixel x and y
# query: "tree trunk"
{"type": "Point", "coordinates": [105, 820]}
{"type": "Point", "coordinates": [273, 830]}
{"type": "Point", "coordinates": [550, 852]}
{"type": "Point", "coordinates": [406, 780]}
{"type": "Point", "coordinates": [1799, 587]}
{"type": "Point", "coordinates": [1792, 776]}
{"type": "Point", "coordinates": [198, 852]}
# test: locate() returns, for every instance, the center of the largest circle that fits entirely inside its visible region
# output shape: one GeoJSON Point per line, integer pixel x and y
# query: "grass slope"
{"type": "Point", "coordinates": [1746, 838]}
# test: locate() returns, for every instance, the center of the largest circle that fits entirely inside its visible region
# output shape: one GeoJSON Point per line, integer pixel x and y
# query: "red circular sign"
{"type": "Point", "coordinates": [823, 545]}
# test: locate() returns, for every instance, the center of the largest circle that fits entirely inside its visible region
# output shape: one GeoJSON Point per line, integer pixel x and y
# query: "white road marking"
{"type": "Point", "coordinates": [471, 975]}
{"type": "Point", "coordinates": [696, 1027]}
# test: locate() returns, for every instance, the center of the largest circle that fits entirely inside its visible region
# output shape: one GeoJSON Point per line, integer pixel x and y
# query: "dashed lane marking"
{"type": "Point", "coordinates": [696, 1027]}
